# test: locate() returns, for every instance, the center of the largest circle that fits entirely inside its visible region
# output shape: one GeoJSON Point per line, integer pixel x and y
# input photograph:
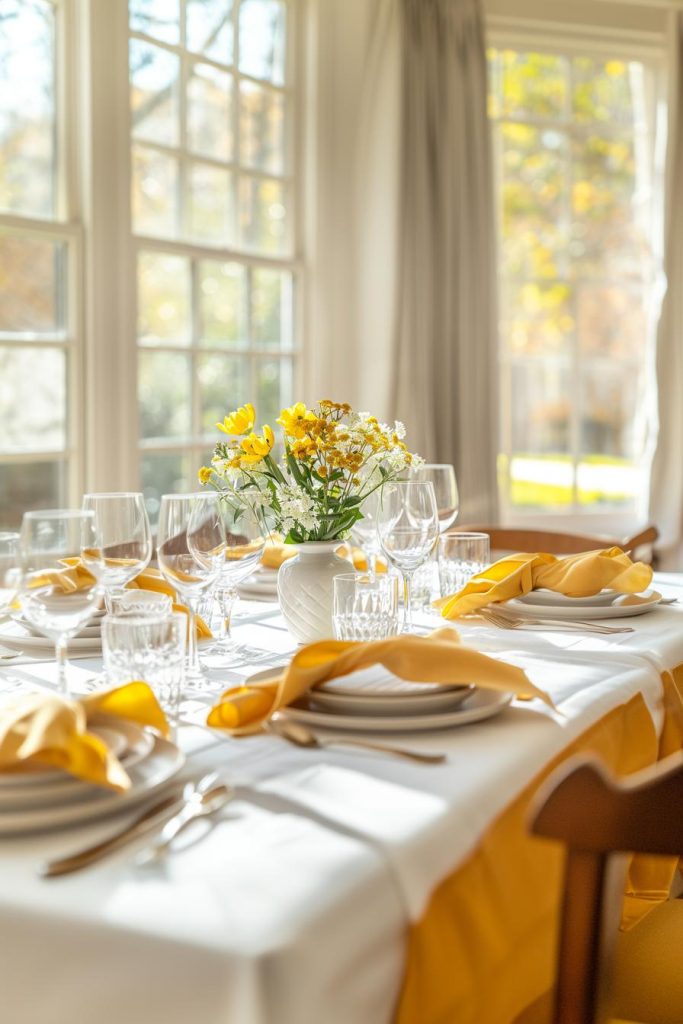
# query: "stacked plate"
{"type": "Point", "coordinates": [608, 604]}
{"type": "Point", "coordinates": [260, 586]}
{"type": "Point", "coordinates": [20, 634]}
{"type": "Point", "coordinates": [42, 798]}
{"type": "Point", "coordinates": [375, 700]}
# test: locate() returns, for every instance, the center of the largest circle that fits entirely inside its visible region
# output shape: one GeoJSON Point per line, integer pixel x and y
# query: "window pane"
{"type": "Point", "coordinates": [263, 215]}
{"type": "Point", "coordinates": [209, 112]}
{"type": "Point", "coordinates": [165, 473]}
{"type": "Point", "coordinates": [154, 188]}
{"type": "Point", "coordinates": [27, 111]}
{"type": "Point", "coordinates": [154, 93]}
{"type": "Point", "coordinates": [541, 415]}
{"type": "Point", "coordinates": [222, 303]}
{"type": "Point", "coordinates": [262, 128]}
{"type": "Point", "coordinates": [29, 485]}
{"type": "Point", "coordinates": [209, 28]}
{"type": "Point", "coordinates": [533, 84]}
{"type": "Point", "coordinates": [163, 299]}
{"type": "Point", "coordinates": [602, 90]}
{"type": "Point", "coordinates": [32, 285]}
{"type": "Point", "coordinates": [611, 321]}
{"type": "Point", "coordinates": [158, 18]}
{"type": "Point", "coordinates": [537, 318]}
{"type": "Point", "coordinates": [608, 399]}
{"type": "Point", "coordinates": [541, 482]}
{"type": "Point", "coordinates": [164, 390]}
{"type": "Point", "coordinates": [33, 399]}
{"type": "Point", "coordinates": [273, 388]}
{"type": "Point", "coordinates": [262, 39]}
{"type": "Point", "coordinates": [210, 204]}
{"type": "Point", "coordinates": [271, 308]}
{"type": "Point", "coordinates": [224, 385]}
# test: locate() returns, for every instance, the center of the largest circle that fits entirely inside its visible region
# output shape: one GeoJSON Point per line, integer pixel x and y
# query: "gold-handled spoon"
{"type": "Point", "coordinates": [301, 736]}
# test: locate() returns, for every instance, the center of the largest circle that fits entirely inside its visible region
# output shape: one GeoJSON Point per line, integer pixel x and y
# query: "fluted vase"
{"type": "Point", "coordinates": [304, 586]}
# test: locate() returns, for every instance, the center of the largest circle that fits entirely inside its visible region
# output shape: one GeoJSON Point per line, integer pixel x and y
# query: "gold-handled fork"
{"type": "Point", "coordinates": [505, 619]}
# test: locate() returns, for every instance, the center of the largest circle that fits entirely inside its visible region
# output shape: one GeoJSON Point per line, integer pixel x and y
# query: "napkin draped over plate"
{"type": "Point", "coordinates": [438, 658]}
{"type": "Point", "coordinates": [75, 576]}
{"type": "Point", "coordinates": [43, 729]}
{"type": "Point", "coordinates": [574, 576]}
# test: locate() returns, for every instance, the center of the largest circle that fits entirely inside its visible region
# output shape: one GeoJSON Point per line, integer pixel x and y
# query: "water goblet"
{"type": "Point", "coordinates": [124, 540]}
{"type": "Point", "coordinates": [408, 528]}
{"type": "Point", "coordinates": [442, 476]}
{"type": "Point", "coordinates": [245, 532]}
{"type": "Point", "coordinates": [190, 552]}
{"type": "Point", "coordinates": [50, 599]}
{"type": "Point", "coordinates": [365, 530]}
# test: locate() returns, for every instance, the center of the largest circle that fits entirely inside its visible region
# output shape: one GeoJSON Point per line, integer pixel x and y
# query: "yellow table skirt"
{"type": "Point", "coordinates": [484, 950]}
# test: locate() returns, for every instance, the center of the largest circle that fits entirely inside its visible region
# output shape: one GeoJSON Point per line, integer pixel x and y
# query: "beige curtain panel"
{"type": "Point", "coordinates": [445, 344]}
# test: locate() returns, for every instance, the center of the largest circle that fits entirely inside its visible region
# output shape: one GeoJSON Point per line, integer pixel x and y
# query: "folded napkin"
{"type": "Point", "coordinates": [75, 575]}
{"type": "Point", "coordinates": [357, 557]}
{"type": "Point", "coordinates": [43, 729]}
{"type": "Point", "coordinates": [276, 552]}
{"type": "Point", "coordinates": [439, 658]}
{"type": "Point", "coordinates": [575, 576]}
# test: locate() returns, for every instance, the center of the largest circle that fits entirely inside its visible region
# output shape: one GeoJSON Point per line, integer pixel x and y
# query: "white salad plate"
{"type": "Point", "coordinates": [545, 597]}
{"type": "Point", "coordinates": [13, 634]}
{"type": "Point", "coordinates": [623, 607]}
{"type": "Point", "coordinates": [148, 776]}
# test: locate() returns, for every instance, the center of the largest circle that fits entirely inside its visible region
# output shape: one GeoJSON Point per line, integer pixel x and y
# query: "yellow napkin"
{"type": "Point", "coordinates": [276, 552]}
{"type": "Point", "coordinates": [439, 658]}
{"type": "Point", "coordinates": [43, 729]}
{"type": "Point", "coordinates": [75, 576]}
{"type": "Point", "coordinates": [357, 557]}
{"type": "Point", "coordinates": [575, 576]}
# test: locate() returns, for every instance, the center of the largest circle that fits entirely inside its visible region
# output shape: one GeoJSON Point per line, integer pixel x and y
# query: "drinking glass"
{"type": "Point", "coordinates": [245, 532]}
{"type": "Point", "coordinates": [190, 552]}
{"type": "Point", "coordinates": [145, 603]}
{"type": "Point", "coordinates": [407, 527]}
{"type": "Point", "coordinates": [365, 606]}
{"type": "Point", "coordinates": [447, 503]}
{"type": "Point", "coordinates": [9, 571]}
{"type": "Point", "coordinates": [461, 556]}
{"type": "Point", "coordinates": [149, 648]}
{"type": "Point", "coordinates": [49, 600]}
{"type": "Point", "coordinates": [125, 540]}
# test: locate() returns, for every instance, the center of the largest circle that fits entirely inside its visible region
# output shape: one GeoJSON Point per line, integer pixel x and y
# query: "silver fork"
{"type": "Point", "coordinates": [507, 620]}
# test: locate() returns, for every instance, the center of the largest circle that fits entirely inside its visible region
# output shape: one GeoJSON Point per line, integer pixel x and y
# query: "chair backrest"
{"type": "Point", "coordinates": [512, 538]}
{"type": "Point", "coordinates": [596, 816]}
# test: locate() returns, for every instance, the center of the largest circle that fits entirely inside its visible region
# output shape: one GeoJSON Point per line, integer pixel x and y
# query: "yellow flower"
{"type": "Point", "coordinates": [239, 422]}
{"type": "Point", "coordinates": [297, 420]}
{"type": "Point", "coordinates": [204, 474]}
{"type": "Point", "coordinates": [304, 449]}
{"type": "Point", "coordinates": [255, 447]}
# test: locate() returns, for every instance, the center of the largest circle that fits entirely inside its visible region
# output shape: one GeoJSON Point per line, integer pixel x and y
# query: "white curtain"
{"type": "Point", "coordinates": [666, 495]}
{"type": "Point", "coordinates": [402, 311]}
{"type": "Point", "coordinates": [445, 384]}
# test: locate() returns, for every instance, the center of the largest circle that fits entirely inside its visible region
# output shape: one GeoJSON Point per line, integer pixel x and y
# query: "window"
{"type": "Point", "coordinates": [212, 205]}
{"type": "Point", "coordinates": [39, 344]}
{"type": "Point", "coordinates": [575, 156]}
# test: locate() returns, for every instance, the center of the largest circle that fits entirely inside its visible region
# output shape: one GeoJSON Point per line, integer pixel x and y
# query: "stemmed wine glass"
{"type": "Point", "coordinates": [365, 530]}
{"type": "Point", "coordinates": [190, 552]}
{"type": "Point", "coordinates": [9, 571]}
{"type": "Point", "coordinates": [50, 600]}
{"type": "Point", "coordinates": [124, 540]}
{"type": "Point", "coordinates": [408, 529]}
{"type": "Point", "coordinates": [442, 476]}
{"type": "Point", "coordinates": [245, 533]}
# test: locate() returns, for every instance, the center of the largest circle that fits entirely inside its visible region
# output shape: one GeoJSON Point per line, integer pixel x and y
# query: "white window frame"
{"type": "Point", "coordinates": [509, 32]}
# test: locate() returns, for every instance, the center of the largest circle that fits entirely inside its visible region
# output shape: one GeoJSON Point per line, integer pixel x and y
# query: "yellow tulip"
{"type": "Point", "coordinates": [297, 420]}
{"type": "Point", "coordinates": [204, 474]}
{"type": "Point", "coordinates": [255, 448]}
{"type": "Point", "coordinates": [239, 422]}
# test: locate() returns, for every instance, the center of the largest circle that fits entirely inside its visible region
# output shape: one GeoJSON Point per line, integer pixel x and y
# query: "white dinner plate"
{"type": "Point", "coordinates": [544, 597]}
{"type": "Point", "coordinates": [37, 776]}
{"type": "Point", "coordinates": [477, 706]}
{"type": "Point", "coordinates": [13, 634]}
{"type": "Point", "coordinates": [392, 705]}
{"type": "Point", "coordinates": [263, 584]}
{"type": "Point", "coordinates": [147, 777]}
{"type": "Point", "coordinates": [621, 608]}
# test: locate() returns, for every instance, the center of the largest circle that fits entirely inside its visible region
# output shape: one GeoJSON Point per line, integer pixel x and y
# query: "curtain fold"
{"type": "Point", "coordinates": [445, 379]}
{"type": "Point", "coordinates": [666, 491]}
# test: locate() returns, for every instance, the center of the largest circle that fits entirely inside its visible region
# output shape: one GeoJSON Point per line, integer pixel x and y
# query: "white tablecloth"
{"type": "Point", "coordinates": [295, 907]}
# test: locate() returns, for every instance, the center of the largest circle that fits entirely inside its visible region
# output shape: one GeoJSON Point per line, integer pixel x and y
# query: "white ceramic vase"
{"type": "Point", "coordinates": [304, 586]}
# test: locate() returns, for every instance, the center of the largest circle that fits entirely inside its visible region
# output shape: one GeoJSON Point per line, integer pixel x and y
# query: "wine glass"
{"type": "Point", "coordinates": [245, 532]}
{"type": "Point", "coordinates": [190, 552]}
{"type": "Point", "coordinates": [124, 540]}
{"type": "Point", "coordinates": [365, 530]}
{"type": "Point", "coordinates": [9, 571]}
{"type": "Point", "coordinates": [442, 476]}
{"type": "Point", "coordinates": [50, 600]}
{"type": "Point", "coordinates": [408, 529]}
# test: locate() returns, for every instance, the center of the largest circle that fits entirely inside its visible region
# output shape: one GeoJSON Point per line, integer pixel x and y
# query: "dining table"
{"type": "Point", "coordinates": [343, 885]}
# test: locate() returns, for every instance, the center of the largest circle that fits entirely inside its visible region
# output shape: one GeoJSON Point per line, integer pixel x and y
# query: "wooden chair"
{"type": "Point", "coordinates": [635, 975]}
{"type": "Point", "coordinates": [503, 538]}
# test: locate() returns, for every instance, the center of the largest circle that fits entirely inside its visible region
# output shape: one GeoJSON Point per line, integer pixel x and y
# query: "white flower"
{"type": "Point", "coordinates": [297, 509]}
{"type": "Point", "coordinates": [399, 429]}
